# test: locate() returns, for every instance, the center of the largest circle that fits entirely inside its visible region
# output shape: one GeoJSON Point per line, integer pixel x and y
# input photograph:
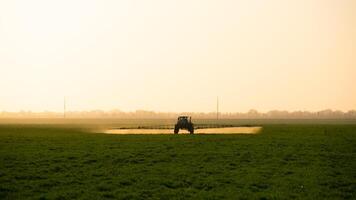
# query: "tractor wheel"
{"type": "Point", "coordinates": [176, 130]}
{"type": "Point", "coordinates": [191, 129]}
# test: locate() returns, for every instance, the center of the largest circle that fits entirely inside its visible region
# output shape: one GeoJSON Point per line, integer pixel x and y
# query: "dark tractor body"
{"type": "Point", "coordinates": [185, 123]}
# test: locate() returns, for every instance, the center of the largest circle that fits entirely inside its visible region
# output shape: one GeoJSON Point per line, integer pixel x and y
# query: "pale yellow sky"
{"type": "Point", "coordinates": [177, 55]}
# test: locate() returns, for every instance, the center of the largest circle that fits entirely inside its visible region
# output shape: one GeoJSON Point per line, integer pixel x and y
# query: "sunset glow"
{"type": "Point", "coordinates": [177, 55]}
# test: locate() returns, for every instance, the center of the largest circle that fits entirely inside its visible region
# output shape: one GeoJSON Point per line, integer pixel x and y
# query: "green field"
{"type": "Point", "coordinates": [285, 161]}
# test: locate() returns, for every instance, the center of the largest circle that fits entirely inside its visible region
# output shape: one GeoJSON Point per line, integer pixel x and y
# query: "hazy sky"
{"type": "Point", "coordinates": [168, 55]}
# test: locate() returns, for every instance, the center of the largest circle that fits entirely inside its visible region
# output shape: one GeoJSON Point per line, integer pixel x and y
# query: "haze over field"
{"type": "Point", "coordinates": [176, 56]}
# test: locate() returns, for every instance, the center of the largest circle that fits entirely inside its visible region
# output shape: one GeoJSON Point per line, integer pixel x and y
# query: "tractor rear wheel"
{"type": "Point", "coordinates": [191, 129]}
{"type": "Point", "coordinates": [176, 130]}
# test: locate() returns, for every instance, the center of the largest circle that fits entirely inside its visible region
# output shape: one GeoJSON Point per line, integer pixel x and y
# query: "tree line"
{"type": "Point", "coordinates": [251, 114]}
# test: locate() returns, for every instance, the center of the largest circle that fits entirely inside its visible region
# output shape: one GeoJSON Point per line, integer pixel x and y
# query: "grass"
{"type": "Point", "coordinates": [283, 162]}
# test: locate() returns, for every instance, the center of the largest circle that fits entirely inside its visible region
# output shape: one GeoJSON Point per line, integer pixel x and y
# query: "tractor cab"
{"type": "Point", "coordinates": [184, 119]}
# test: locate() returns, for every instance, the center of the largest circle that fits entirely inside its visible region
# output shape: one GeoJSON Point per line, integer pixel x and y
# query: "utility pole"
{"type": "Point", "coordinates": [217, 108]}
{"type": "Point", "coordinates": [64, 107]}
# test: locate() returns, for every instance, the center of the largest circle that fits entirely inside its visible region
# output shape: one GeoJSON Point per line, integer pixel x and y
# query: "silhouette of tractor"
{"type": "Point", "coordinates": [185, 123]}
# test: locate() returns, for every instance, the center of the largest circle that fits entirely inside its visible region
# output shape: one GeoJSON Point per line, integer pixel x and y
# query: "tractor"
{"type": "Point", "coordinates": [185, 123]}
